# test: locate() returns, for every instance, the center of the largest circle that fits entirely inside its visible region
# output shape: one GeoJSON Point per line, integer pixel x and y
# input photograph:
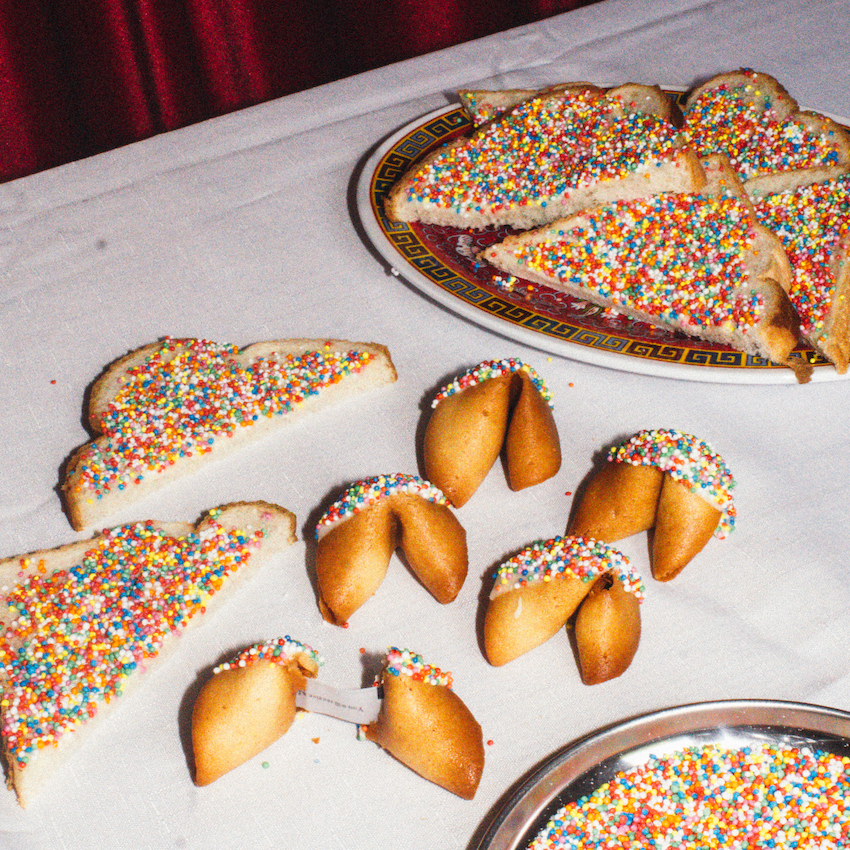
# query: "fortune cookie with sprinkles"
{"type": "Point", "coordinates": [359, 533]}
{"type": "Point", "coordinates": [248, 704]}
{"type": "Point", "coordinates": [666, 480]}
{"type": "Point", "coordinates": [81, 624]}
{"type": "Point", "coordinates": [426, 726]}
{"type": "Point", "coordinates": [536, 592]}
{"type": "Point", "coordinates": [497, 404]}
{"type": "Point", "coordinates": [167, 408]}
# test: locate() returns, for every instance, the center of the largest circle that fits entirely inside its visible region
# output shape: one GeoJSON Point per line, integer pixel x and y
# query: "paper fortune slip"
{"type": "Point", "coordinates": [354, 706]}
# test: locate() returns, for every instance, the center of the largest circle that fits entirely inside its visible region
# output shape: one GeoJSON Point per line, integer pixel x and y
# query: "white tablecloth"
{"type": "Point", "coordinates": [242, 229]}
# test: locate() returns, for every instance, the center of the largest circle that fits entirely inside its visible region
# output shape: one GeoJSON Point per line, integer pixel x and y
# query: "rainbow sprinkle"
{"type": "Point", "coordinates": [565, 557]}
{"type": "Point", "coordinates": [74, 636]}
{"type": "Point", "coordinates": [687, 459]}
{"type": "Point", "coordinates": [403, 662]}
{"type": "Point", "coordinates": [493, 369]}
{"type": "Point", "coordinates": [362, 494]}
{"type": "Point", "coordinates": [278, 650]}
{"type": "Point", "coordinates": [814, 225]}
{"type": "Point", "coordinates": [540, 151]}
{"type": "Point", "coordinates": [674, 259]}
{"type": "Point", "coordinates": [713, 798]}
{"type": "Point", "coordinates": [190, 393]}
{"type": "Point", "coordinates": [757, 140]}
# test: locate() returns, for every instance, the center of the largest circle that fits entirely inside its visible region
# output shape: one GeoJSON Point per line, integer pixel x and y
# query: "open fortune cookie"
{"type": "Point", "coordinates": [426, 726]}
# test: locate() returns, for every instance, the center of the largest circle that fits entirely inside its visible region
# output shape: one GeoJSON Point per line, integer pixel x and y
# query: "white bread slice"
{"type": "Point", "coordinates": [547, 157]}
{"type": "Point", "coordinates": [698, 264]}
{"type": "Point", "coordinates": [749, 117]}
{"type": "Point", "coordinates": [813, 223]}
{"type": "Point", "coordinates": [483, 105]}
{"type": "Point", "coordinates": [96, 605]}
{"type": "Point", "coordinates": [167, 408]}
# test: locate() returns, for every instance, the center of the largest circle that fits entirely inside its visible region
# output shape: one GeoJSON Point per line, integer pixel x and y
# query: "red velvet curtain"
{"type": "Point", "coordinates": [78, 77]}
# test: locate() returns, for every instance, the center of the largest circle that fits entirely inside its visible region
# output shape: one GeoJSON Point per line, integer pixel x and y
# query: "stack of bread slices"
{"type": "Point", "coordinates": [671, 217]}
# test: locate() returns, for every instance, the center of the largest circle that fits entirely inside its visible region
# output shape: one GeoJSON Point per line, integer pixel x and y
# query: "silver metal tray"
{"type": "Point", "coordinates": [584, 765]}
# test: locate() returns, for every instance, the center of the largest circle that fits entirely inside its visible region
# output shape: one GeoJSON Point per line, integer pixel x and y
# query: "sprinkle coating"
{"type": "Point", "coordinates": [539, 151]}
{"type": "Point", "coordinates": [566, 557]}
{"type": "Point", "coordinates": [362, 494]}
{"type": "Point", "coordinates": [759, 796]}
{"type": "Point", "coordinates": [672, 258]}
{"type": "Point", "coordinates": [757, 139]}
{"type": "Point", "coordinates": [813, 223]}
{"type": "Point", "coordinates": [177, 405]}
{"type": "Point", "coordinates": [278, 650]}
{"type": "Point", "coordinates": [687, 459]}
{"type": "Point", "coordinates": [493, 369]}
{"type": "Point", "coordinates": [403, 662]}
{"type": "Point", "coordinates": [75, 635]}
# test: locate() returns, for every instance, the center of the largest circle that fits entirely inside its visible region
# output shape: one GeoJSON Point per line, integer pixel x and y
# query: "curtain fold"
{"type": "Point", "coordinates": [78, 77]}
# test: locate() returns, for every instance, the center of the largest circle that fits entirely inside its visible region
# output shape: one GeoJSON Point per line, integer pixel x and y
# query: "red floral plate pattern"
{"type": "Point", "coordinates": [440, 262]}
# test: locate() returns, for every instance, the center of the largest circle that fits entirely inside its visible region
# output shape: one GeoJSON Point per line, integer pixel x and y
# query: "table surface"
{"type": "Point", "coordinates": [245, 228]}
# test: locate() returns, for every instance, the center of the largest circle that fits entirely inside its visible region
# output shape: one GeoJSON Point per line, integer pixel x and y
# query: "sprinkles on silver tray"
{"type": "Point", "coordinates": [759, 797]}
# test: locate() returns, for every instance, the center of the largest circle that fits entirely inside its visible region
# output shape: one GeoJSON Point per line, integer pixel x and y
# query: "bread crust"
{"type": "Point", "coordinates": [777, 108]}
{"type": "Point", "coordinates": [485, 105]}
{"type": "Point", "coordinates": [837, 346]}
{"type": "Point", "coordinates": [812, 223]}
{"type": "Point", "coordinates": [85, 507]}
{"type": "Point", "coordinates": [766, 91]}
{"type": "Point", "coordinates": [278, 527]}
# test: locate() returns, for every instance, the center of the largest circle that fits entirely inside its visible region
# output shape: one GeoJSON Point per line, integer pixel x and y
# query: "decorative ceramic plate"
{"type": "Point", "coordinates": [583, 766]}
{"type": "Point", "coordinates": [439, 261]}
